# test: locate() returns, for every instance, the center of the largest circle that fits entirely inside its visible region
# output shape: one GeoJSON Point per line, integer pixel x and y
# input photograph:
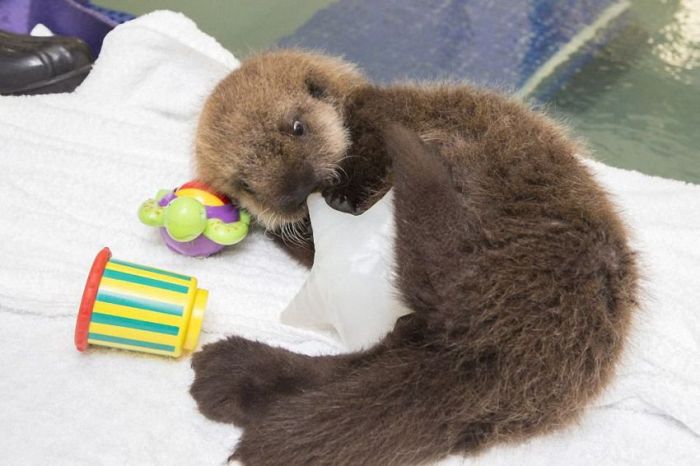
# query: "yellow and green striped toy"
{"type": "Point", "coordinates": [139, 308]}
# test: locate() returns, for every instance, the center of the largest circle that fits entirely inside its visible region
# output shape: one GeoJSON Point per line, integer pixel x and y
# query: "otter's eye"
{"type": "Point", "coordinates": [297, 128]}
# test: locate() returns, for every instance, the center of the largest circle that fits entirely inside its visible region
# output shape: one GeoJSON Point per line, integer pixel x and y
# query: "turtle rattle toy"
{"type": "Point", "coordinates": [194, 220]}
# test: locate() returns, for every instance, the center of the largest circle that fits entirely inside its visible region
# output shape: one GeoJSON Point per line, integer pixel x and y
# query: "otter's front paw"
{"type": "Point", "coordinates": [342, 200]}
{"type": "Point", "coordinates": [237, 379]}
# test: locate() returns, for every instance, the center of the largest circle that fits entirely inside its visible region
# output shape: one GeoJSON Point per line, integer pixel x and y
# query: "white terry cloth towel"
{"type": "Point", "coordinates": [75, 167]}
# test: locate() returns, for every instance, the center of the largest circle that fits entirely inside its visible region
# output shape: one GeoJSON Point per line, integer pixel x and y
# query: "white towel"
{"type": "Point", "coordinates": [74, 169]}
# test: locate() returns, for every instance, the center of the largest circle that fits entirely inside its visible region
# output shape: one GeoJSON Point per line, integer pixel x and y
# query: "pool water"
{"type": "Point", "coordinates": [631, 89]}
{"type": "Point", "coordinates": [637, 99]}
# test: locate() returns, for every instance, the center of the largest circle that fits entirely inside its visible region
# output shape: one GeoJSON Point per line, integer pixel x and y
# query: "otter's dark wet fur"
{"type": "Point", "coordinates": [511, 256]}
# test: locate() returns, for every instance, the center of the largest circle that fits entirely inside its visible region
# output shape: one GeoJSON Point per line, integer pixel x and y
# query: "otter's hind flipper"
{"type": "Point", "coordinates": [430, 219]}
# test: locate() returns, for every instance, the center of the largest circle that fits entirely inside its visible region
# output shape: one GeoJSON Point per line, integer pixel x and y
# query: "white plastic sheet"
{"type": "Point", "coordinates": [350, 288]}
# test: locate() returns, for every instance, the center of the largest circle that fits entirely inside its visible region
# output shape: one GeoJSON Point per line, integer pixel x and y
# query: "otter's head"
{"type": "Point", "coordinates": [273, 131]}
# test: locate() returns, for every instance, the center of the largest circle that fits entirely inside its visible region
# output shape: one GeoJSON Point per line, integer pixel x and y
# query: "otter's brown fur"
{"type": "Point", "coordinates": [512, 258]}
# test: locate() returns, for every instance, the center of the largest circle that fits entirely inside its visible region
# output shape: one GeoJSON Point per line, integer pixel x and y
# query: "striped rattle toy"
{"type": "Point", "coordinates": [139, 308]}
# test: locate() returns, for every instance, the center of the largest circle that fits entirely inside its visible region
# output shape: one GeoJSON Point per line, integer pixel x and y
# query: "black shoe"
{"type": "Point", "coordinates": [42, 65]}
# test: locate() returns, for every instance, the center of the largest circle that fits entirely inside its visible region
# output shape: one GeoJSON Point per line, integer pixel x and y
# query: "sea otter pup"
{"type": "Point", "coordinates": [511, 256]}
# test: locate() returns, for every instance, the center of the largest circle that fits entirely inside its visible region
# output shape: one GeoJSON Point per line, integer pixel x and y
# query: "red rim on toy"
{"type": "Point", "coordinates": [88, 300]}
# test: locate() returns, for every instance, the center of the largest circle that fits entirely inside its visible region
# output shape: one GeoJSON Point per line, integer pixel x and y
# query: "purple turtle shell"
{"type": "Point", "coordinates": [227, 213]}
{"type": "Point", "coordinates": [165, 200]}
{"type": "Point", "coordinates": [201, 246]}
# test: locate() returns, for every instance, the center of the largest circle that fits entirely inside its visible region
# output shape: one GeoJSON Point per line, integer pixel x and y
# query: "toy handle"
{"type": "Point", "coordinates": [228, 234]}
{"type": "Point", "coordinates": [151, 214]}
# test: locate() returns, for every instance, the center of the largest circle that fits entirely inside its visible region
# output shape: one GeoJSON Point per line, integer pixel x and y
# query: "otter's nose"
{"type": "Point", "coordinates": [299, 186]}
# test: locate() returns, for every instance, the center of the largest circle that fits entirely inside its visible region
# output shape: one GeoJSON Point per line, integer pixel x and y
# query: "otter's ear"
{"type": "Point", "coordinates": [316, 88]}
